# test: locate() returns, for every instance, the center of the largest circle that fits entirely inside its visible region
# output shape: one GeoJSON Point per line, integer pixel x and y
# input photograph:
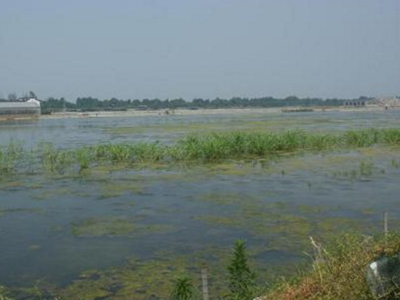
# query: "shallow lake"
{"type": "Point", "coordinates": [133, 230]}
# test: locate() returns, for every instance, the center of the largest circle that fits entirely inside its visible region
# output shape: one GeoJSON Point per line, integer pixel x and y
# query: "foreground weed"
{"type": "Point", "coordinates": [242, 280]}
{"type": "Point", "coordinates": [183, 289]}
{"type": "Point", "coordinates": [338, 271]}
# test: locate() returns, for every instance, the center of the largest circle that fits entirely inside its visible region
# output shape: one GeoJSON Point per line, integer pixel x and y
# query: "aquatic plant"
{"type": "Point", "coordinates": [183, 289]}
{"type": "Point", "coordinates": [365, 170]}
{"type": "Point", "coordinates": [83, 158]}
{"type": "Point", "coordinates": [10, 156]}
{"type": "Point", "coordinates": [53, 159]}
{"type": "Point", "coordinates": [242, 282]}
{"type": "Point", "coordinates": [395, 163]}
{"type": "Point", "coordinates": [391, 136]}
{"type": "Point", "coordinates": [362, 138]}
{"type": "Point", "coordinates": [259, 144]}
{"type": "Point", "coordinates": [129, 153]}
{"type": "Point", "coordinates": [198, 147]}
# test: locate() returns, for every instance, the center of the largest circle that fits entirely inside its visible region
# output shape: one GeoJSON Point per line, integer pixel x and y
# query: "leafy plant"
{"type": "Point", "coordinates": [183, 289]}
{"type": "Point", "coordinates": [242, 280]}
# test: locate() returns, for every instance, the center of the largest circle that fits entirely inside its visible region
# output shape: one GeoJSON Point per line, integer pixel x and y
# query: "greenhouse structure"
{"type": "Point", "coordinates": [20, 110]}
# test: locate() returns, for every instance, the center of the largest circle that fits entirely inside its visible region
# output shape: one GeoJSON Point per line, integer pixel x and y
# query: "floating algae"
{"type": "Point", "coordinates": [12, 185]}
{"type": "Point", "coordinates": [242, 197]}
{"type": "Point", "coordinates": [34, 247]}
{"type": "Point", "coordinates": [136, 280]}
{"type": "Point", "coordinates": [286, 227]}
{"type": "Point", "coordinates": [294, 229]}
{"type": "Point", "coordinates": [20, 210]}
{"type": "Point", "coordinates": [225, 199]}
{"type": "Point", "coordinates": [231, 168]}
{"type": "Point", "coordinates": [114, 226]}
{"type": "Point", "coordinates": [151, 279]}
{"type": "Point", "coordinates": [117, 188]}
{"type": "Point", "coordinates": [42, 195]}
{"type": "Point", "coordinates": [96, 227]}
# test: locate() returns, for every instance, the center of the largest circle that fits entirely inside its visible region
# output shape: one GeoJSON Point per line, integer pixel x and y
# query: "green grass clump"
{"type": "Point", "coordinates": [53, 159]}
{"type": "Point", "coordinates": [200, 148]}
{"type": "Point", "coordinates": [339, 271]}
{"type": "Point", "coordinates": [255, 144]}
{"type": "Point", "coordinates": [183, 289]}
{"type": "Point", "coordinates": [10, 156]}
{"type": "Point", "coordinates": [129, 153]}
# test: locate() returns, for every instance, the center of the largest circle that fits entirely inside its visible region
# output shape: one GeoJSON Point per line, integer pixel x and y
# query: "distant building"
{"type": "Point", "coordinates": [388, 102]}
{"type": "Point", "coordinates": [356, 103]}
{"type": "Point", "coordinates": [20, 110]}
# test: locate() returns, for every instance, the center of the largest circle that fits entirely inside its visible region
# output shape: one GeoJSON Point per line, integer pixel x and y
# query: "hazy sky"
{"type": "Point", "coordinates": [203, 48]}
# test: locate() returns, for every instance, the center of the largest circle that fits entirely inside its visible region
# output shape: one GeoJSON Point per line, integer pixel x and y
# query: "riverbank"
{"type": "Point", "coordinates": [223, 111]}
{"type": "Point", "coordinates": [339, 272]}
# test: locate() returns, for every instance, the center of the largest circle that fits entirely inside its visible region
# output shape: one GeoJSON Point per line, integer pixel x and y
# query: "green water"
{"type": "Point", "coordinates": [118, 233]}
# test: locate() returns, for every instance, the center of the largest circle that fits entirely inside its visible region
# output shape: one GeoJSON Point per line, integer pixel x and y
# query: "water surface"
{"type": "Point", "coordinates": [159, 219]}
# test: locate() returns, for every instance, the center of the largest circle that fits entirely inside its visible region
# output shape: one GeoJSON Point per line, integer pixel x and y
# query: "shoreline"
{"type": "Point", "coordinates": [217, 111]}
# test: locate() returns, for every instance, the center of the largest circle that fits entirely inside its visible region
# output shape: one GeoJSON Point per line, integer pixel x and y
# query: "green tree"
{"type": "Point", "coordinates": [183, 289]}
{"type": "Point", "coordinates": [242, 280]}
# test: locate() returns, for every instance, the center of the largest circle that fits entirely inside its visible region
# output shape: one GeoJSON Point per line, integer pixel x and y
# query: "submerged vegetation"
{"type": "Point", "coordinates": [365, 170]}
{"type": "Point", "coordinates": [125, 210]}
{"type": "Point", "coordinates": [108, 227]}
{"type": "Point", "coordinates": [204, 148]}
{"type": "Point", "coordinates": [103, 227]}
{"type": "Point", "coordinates": [338, 271]}
{"type": "Point", "coordinates": [9, 157]}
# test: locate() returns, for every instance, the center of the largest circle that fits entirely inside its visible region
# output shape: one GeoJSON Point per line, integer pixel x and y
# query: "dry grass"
{"type": "Point", "coordinates": [339, 271]}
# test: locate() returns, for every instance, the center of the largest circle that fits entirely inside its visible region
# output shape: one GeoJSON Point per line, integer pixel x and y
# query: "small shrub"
{"type": "Point", "coordinates": [183, 289]}
{"type": "Point", "coordinates": [242, 280]}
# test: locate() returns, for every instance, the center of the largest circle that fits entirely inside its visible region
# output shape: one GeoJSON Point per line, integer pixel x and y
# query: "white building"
{"type": "Point", "coordinates": [20, 110]}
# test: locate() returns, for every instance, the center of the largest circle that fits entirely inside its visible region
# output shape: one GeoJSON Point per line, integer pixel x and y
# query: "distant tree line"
{"type": "Point", "coordinates": [86, 104]}
{"type": "Point", "coordinates": [93, 104]}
